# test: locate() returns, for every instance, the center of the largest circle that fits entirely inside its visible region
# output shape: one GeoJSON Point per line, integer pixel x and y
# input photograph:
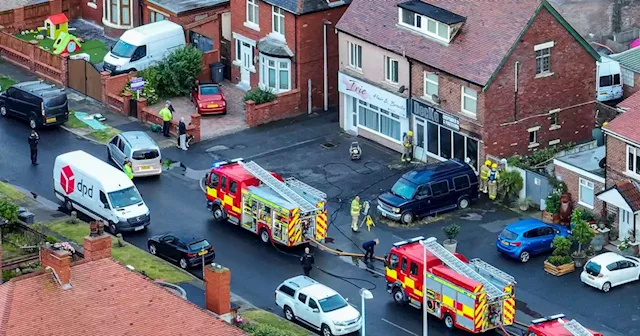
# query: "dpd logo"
{"type": "Point", "coordinates": [67, 180]}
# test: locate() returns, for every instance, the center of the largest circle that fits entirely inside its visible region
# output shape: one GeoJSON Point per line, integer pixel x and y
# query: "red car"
{"type": "Point", "coordinates": [209, 99]}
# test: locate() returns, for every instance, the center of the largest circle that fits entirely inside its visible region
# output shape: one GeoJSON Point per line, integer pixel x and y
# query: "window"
{"type": "Point", "coordinates": [633, 160]}
{"type": "Point", "coordinates": [545, 231]}
{"type": "Point", "coordinates": [404, 264]}
{"type": "Point", "coordinates": [393, 261]}
{"type": "Point", "coordinates": [302, 298]}
{"type": "Point", "coordinates": [121, 146]}
{"type": "Point", "coordinates": [103, 198]}
{"type": "Point", "coordinates": [469, 100]}
{"type": "Point", "coordinates": [238, 50]}
{"type": "Point", "coordinates": [278, 20]}
{"type": "Point", "coordinates": [275, 73]}
{"type": "Point", "coordinates": [430, 85]}
{"type": "Point", "coordinates": [391, 70]}
{"type": "Point", "coordinates": [533, 137]}
{"type": "Point", "coordinates": [201, 42]}
{"type": "Point", "coordinates": [223, 184]}
{"type": "Point", "coordinates": [532, 233]}
{"type": "Point", "coordinates": [355, 56]}
{"type": "Point", "coordinates": [461, 182]}
{"type": "Point", "coordinates": [213, 180]}
{"type": "Point", "coordinates": [423, 191]}
{"type": "Point", "coordinates": [586, 193]}
{"type": "Point", "coordinates": [379, 120]}
{"type": "Point", "coordinates": [140, 52]}
{"type": "Point", "coordinates": [125, 10]}
{"type": "Point", "coordinates": [252, 12]}
{"type": "Point", "coordinates": [411, 19]}
{"type": "Point", "coordinates": [440, 188]}
{"type": "Point", "coordinates": [313, 304]}
{"type": "Point", "coordinates": [627, 77]}
{"type": "Point", "coordinates": [117, 12]}
{"type": "Point", "coordinates": [233, 187]}
{"type": "Point", "coordinates": [115, 18]}
{"type": "Point", "coordinates": [543, 61]}
{"type": "Point", "coordinates": [156, 17]}
{"type": "Point", "coordinates": [438, 29]}
{"type": "Point", "coordinates": [414, 269]}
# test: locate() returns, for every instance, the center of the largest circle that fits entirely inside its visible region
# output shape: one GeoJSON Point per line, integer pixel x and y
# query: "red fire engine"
{"type": "Point", "coordinates": [469, 295]}
{"type": "Point", "coordinates": [557, 325]}
{"type": "Point", "coordinates": [283, 211]}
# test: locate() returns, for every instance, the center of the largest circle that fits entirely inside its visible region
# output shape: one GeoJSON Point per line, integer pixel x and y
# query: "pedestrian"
{"type": "Point", "coordinates": [307, 261]}
{"type": "Point", "coordinates": [368, 247]}
{"type": "Point", "coordinates": [34, 139]}
{"type": "Point", "coordinates": [355, 213]}
{"type": "Point", "coordinates": [182, 134]}
{"type": "Point", "coordinates": [166, 116]}
{"type": "Point", "coordinates": [127, 168]}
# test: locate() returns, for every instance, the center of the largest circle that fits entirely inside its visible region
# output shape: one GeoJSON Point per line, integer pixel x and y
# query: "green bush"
{"type": "Point", "coordinates": [552, 203]}
{"type": "Point", "coordinates": [561, 247]}
{"type": "Point", "coordinates": [451, 231]}
{"type": "Point", "coordinates": [509, 185]}
{"type": "Point", "coordinates": [260, 96]}
{"type": "Point", "coordinates": [559, 260]}
{"type": "Point", "coordinates": [8, 210]}
{"type": "Point", "coordinates": [580, 230]}
{"type": "Point", "coordinates": [150, 90]}
{"type": "Point", "coordinates": [178, 71]}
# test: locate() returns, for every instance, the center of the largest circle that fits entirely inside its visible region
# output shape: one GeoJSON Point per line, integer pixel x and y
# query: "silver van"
{"type": "Point", "coordinates": [140, 149]}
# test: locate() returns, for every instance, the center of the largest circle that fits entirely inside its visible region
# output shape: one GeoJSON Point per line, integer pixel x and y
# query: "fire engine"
{"type": "Point", "coordinates": [555, 325]}
{"type": "Point", "coordinates": [282, 211]}
{"type": "Point", "coordinates": [469, 295]}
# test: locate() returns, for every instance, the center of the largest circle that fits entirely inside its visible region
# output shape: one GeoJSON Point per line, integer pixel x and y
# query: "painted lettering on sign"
{"type": "Point", "coordinates": [373, 95]}
{"type": "Point", "coordinates": [352, 86]}
{"type": "Point", "coordinates": [435, 116]}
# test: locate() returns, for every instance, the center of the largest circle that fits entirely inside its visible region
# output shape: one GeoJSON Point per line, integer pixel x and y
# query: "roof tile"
{"type": "Point", "coordinates": [625, 124]}
{"type": "Point", "coordinates": [631, 194]}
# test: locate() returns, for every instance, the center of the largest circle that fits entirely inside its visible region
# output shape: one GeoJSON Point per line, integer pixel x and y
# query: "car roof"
{"type": "Point", "coordinates": [525, 225]}
{"type": "Point", "coordinates": [553, 327]}
{"type": "Point", "coordinates": [187, 239]}
{"type": "Point", "coordinates": [139, 140]}
{"type": "Point", "coordinates": [39, 88]}
{"type": "Point", "coordinates": [318, 291]}
{"type": "Point", "coordinates": [436, 170]}
{"type": "Point", "coordinates": [299, 282]}
{"type": "Point", "coordinates": [607, 258]}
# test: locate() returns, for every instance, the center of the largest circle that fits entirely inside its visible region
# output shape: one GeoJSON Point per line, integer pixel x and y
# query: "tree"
{"type": "Point", "coordinates": [178, 71]}
{"type": "Point", "coordinates": [580, 231]}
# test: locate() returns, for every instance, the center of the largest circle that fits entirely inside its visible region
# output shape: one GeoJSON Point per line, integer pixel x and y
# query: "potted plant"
{"type": "Point", "coordinates": [524, 203]}
{"type": "Point", "coordinates": [582, 234]}
{"type": "Point", "coordinates": [590, 251]}
{"type": "Point", "coordinates": [625, 247]}
{"type": "Point", "coordinates": [559, 263]}
{"type": "Point", "coordinates": [552, 208]}
{"type": "Point", "coordinates": [451, 232]}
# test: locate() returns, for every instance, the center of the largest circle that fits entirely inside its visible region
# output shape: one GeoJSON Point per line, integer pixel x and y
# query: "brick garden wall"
{"type": "Point", "coordinates": [32, 58]}
{"type": "Point", "coordinates": [286, 105]}
{"type": "Point", "coordinates": [572, 180]}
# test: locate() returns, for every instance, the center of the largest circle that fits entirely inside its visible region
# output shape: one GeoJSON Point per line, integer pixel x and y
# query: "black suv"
{"type": "Point", "coordinates": [40, 103]}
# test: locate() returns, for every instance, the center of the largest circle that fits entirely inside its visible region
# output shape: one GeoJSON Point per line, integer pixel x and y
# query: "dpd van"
{"type": "Point", "coordinates": [436, 188]}
{"type": "Point", "coordinates": [100, 191]}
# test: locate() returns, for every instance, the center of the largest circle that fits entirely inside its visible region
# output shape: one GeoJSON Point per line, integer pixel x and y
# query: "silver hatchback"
{"type": "Point", "coordinates": [140, 149]}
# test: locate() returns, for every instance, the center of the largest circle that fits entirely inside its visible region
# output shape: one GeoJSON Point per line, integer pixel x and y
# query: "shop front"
{"type": "Point", "coordinates": [372, 112]}
{"type": "Point", "coordinates": [437, 134]}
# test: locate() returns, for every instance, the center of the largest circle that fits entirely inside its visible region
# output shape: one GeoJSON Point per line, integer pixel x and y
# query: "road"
{"type": "Point", "coordinates": [178, 204]}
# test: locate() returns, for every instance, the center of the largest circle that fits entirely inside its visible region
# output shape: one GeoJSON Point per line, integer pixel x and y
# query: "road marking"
{"type": "Point", "coordinates": [399, 327]}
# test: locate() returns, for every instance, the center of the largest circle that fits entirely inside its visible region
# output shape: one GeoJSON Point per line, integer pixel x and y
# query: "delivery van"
{"type": "Point", "coordinates": [100, 191]}
{"type": "Point", "coordinates": [142, 47]}
{"type": "Point", "coordinates": [609, 81]}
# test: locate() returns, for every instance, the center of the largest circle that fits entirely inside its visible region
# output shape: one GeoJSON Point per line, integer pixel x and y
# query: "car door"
{"type": "Point", "coordinates": [530, 241]}
{"type": "Point", "coordinates": [105, 208]}
{"type": "Point", "coordinates": [315, 316]}
{"type": "Point", "coordinates": [166, 246]}
{"type": "Point", "coordinates": [302, 310]}
{"type": "Point", "coordinates": [120, 153]}
{"type": "Point", "coordinates": [139, 59]}
{"type": "Point", "coordinates": [627, 271]}
{"type": "Point", "coordinates": [414, 275]}
{"type": "Point", "coordinates": [545, 237]}
{"type": "Point", "coordinates": [16, 103]}
{"type": "Point", "coordinates": [113, 147]}
{"type": "Point", "coordinates": [440, 196]}
{"type": "Point", "coordinates": [423, 200]}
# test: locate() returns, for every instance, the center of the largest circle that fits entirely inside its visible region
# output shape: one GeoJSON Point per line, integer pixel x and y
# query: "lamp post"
{"type": "Point", "coordinates": [425, 313]}
{"type": "Point", "coordinates": [365, 294]}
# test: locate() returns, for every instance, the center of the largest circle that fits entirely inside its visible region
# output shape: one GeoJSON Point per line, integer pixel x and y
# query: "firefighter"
{"type": "Point", "coordinates": [485, 171]}
{"type": "Point", "coordinates": [368, 248]}
{"type": "Point", "coordinates": [127, 168]}
{"type": "Point", "coordinates": [494, 175]}
{"type": "Point", "coordinates": [355, 213]}
{"type": "Point", "coordinates": [407, 141]}
{"type": "Point", "coordinates": [307, 261]}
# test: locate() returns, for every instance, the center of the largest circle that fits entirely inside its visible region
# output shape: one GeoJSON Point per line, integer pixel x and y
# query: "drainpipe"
{"type": "Point", "coordinates": [326, 71]}
{"type": "Point", "coordinates": [515, 91]}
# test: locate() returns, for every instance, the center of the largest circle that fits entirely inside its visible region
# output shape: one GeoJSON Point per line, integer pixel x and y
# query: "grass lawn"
{"type": "Point", "coordinates": [74, 122]}
{"type": "Point", "coordinates": [96, 49]}
{"type": "Point", "coordinates": [154, 267]}
{"type": "Point", "coordinates": [261, 317]}
{"type": "Point", "coordinates": [104, 135]}
{"type": "Point", "coordinates": [5, 82]}
{"type": "Point", "coordinates": [8, 191]}
{"type": "Point", "coordinates": [9, 251]}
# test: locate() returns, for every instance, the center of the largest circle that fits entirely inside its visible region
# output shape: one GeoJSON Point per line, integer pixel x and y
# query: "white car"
{"type": "Point", "coordinates": [317, 306]}
{"type": "Point", "coordinates": [609, 270]}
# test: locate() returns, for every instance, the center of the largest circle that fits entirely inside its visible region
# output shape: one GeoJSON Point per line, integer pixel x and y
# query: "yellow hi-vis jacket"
{"type": "Point", "coordinates": [128, 171]}
{"type": "Point", "coordinates": [355, 208]}
{"type": "Point", "coordinates": [166, 115]}
{"type": "Point", "coordinates": [407, 141]}
{"type": "Point", "coordinates": [484, 172]}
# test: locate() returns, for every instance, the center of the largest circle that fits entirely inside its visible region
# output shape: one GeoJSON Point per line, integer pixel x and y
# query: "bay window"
{"type": "Point", "coordinates": [275, 73]}
{"type": "Point", "coordinates": [117, 12]}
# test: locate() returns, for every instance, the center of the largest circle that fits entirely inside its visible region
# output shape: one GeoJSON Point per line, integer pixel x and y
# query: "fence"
{"type": "Point", "coordinates": [32, 58]}
{"type": "Point", "coordinates": [24, 240]}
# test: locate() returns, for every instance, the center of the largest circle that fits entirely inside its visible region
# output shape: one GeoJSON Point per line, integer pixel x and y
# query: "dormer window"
{"type": "Point", "coordinates": [411, 18]}
{"type": "Point", "coordinates": [430, 20]}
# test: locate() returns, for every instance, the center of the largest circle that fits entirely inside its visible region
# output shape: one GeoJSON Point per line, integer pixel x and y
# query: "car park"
{"type": "Point", "coordinates": [141, 150]}
{"type": "Point", "coordinates": [528, 237]}
{"type": "Point", "coordinates": [37, 102]}
{"type": "Point", "coordinates": [209, 99]}
{"type": "Point", "coordinates": [318, 306]}
{"type": "Point", "coordinates": [187, 251]}
{"type": "Point", "coordinates": [609, 270]}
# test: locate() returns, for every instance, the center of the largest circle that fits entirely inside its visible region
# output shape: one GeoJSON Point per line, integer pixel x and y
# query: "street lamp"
{"type": "Point", "coordinates": [425, 313]}
{"type": "Point", "coordinates": [365, 294]}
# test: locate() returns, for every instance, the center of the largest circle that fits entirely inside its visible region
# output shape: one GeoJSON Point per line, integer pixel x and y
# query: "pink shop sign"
{"type": "Point", "coordinates": [372, 95]}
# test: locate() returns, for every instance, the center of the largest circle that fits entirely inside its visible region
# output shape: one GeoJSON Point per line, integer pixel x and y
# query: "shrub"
{"type": "Point", "coordinates": [559, 260]}
{"type": "Point", "coordinates": [8, 210]}
{"type": "Point", "coordinates": [178, 71]}
{"type": "Point", "coordinates": [561, 247]}
{"type": "Point", "coordinates": [451, 231]}
{"type": "Point", "coordinates": [580, 231]}
{"type": "Point", "coordinates": [552, 203]}
{"type": "Point", "coordinates": [51, 239]}
{"type": "Point", "coordinates": [509, 185]}
{"type": "Point", "coordinates": [260, 96]}
{"type": "Point", "coordinates": [150, 90]}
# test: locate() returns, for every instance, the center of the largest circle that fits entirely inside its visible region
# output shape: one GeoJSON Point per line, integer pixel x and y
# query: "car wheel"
{"type": "Point", "coordinates": [407, 218]}
{"type": "Point", "coordinates": [524, 256]}
{"type": "Point", "coordinates": [183, 263]}
{"type": "Point", "coordinates": [448, 321]}
{"type": "Point", "coordinates": [463, 203]}
{"type": "Point", "coordinates": [68, 205]}
{"type": "Point", "coordinates": [264, 236]}
{"type": "Point", "coordinates": [3, 111]}
{"type": "Point", "coordinates": [113, 229]}
{"type": "Point", "coordinates": [153, 249]}
{"type": "Point", "coordinates": [218, 212]}
{"type": "Point", "coordinates": [325, 330]}
{"type": "Point", "coordinates": [288, 314]}
{"type": "Point", "coordinates": [606, 287]}
{"type": "Point", "coordinates": [398, 296]}
{"type": "Point", "coordinates": [32, 123]}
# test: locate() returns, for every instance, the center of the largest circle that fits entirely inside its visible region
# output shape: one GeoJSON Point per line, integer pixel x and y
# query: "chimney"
{"type": "Point", "coordinates": [59, 261]}
{"type": "Point", "coordinates": [97, 245]}
{"type": "Point", "coordinates": [217, 280]}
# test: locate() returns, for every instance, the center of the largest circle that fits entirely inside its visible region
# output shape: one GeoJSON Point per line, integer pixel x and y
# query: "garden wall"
{"type": "Point", "coordinates": [32, 58]}
{"type": "Point", "coordinates": [286, 105]}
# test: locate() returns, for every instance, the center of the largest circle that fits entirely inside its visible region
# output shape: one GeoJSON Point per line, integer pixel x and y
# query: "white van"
{"type": "Point", "coordinates": [608, 80]}
{"type": "Point", "coordinates": [143, 46]}
{"type": "Point", "coordinates": [99, 190]}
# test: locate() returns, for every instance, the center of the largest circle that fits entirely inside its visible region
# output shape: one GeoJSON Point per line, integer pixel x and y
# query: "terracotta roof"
{"type": "Point", "coordinates": [630, 193]}
{"type": "Point", "coordinates": [106, 299]}
{"type": "Point", "coordinates": [625, 124]}
{"type": "Point", "coordinates": [476, 52]}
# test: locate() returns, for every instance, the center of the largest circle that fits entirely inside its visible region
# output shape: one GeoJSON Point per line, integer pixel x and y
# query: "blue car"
{"type": "Point", "coordinates": [528, 237]}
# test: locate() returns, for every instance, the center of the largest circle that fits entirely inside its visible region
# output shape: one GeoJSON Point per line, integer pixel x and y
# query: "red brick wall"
{"type": "Point", "coordinates": [572, 83]}
{"type": "Point", "coordinates": [628, 90]}
{"type": "Point", "coordinates": [30, 57]}
{"type": "Point", "coordinates": [93, 14]}
{"type": "Point", "coordinates": [572, 180]}
{"type": "Point", "coordinates": [187, 18]}
{"type": "Point", "coordinates": [30, 17]}
{"type": "Point", "coordinates": [287, 105]}
{"type": "Point", "coordinates": [616, 160]}
{"type": "Point", "coordinates": [150, 116]}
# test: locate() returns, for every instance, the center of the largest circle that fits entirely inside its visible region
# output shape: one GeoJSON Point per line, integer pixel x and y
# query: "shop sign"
{"type": "Point", "coordinates": [372, 95]}
{"type": "Point", "coordinates": [435, 116]}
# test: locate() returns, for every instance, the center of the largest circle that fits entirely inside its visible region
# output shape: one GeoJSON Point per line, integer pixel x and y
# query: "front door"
{"type": "Point", "coordinates": [624, 224]}
{"type": "Point", "coordinates": [351, 115]}
{"type": "Point", "coordinates": [419, 139]}
{"type": "Point", "coordinates": [246, 59]}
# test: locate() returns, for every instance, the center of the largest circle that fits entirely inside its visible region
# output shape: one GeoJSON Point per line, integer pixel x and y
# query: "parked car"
{"type": "Point", "coordinates": [528, 237]}
{"type": "Point", "coordinates": [318, 306]}
{"type": "Point", "coordinates": [39, 103]}
{"type": "Point", "coordinates": [140, 149]}
{"type": "Point", "coordinates": [433, 189]}
{"type": "Point", "coordinates": [609, 270]}
{"type": "Point", "coordinates": [209, 99]}
{"type": "Point", "coordinates": [186, 251]}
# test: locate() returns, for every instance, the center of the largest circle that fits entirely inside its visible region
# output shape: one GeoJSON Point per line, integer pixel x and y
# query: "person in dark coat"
{"type": "Point", "coordinates": [182, 134]}
{"type": "Point", "coordinates": [34, 139]}
{"type": "Point", "coordinates": [368, 247]}
{"type": "Point", "coordinates": [307, 261]}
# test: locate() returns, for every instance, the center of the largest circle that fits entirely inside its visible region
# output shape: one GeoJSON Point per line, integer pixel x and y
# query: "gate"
{"type": "Point", "coordinates": [537, 187]}
{"type": "Point", "coordinates": [84, 78]}
{"type": "Point", "coordinates": [225, 57]}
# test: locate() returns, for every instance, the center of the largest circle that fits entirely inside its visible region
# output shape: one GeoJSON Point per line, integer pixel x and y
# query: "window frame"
{"type": "Point", "coordinates": [468, 182]}
{"type": "Point", "coordinates": [107, 14]}
{"type": "Point", "coordinates": [264, 72]}
{"type": "Point", "coordinates": [252, 6]}
{"type": "Point", "coordinates": [153, 15]}
{"type": "Point", "coordinates": [636, 162]}
{"type": "Point", "coordinates": [380, 113]}
{"type": "Point", "coordinates": [233, 185]}
{"type": "Point", "coordinates": [535, 137]}
{"type": "Point", "coordinates": [584, 183]}
{"type": "Point", "coordinates": [355, 55]}
{"type": "Point", "coordinates": [122, 11]}
{"type": "Point", "coordinates": [417, 19]}
{"type": "Point", "coordinates": [540, 70]}
{"type": "Point", "coordinates": [628, 77]}
{"type": "Point", "coordinates": [277, 20]}
{"type": "Point", "coordinates": [466, 95]}
{"type": "Point", "coordinates": [306, 297]}
{"type": "Point", "coordinates": [411, 268]}
{"type": "Point", "coordinates": [293, 291]}
{"type": "Point", "coordinates": [438, 182]}
{"type": "Point", "coordinates": [388, 67]}
{"type": "Point", "coordinates": [425, 83]}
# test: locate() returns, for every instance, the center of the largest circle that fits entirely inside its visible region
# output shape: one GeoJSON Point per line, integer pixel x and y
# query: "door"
{"type": "Point", "coordinates": [246, 58]}
{"type": "Point", "coordinates": [301, 309]}
{"type": "Point", "coordinates": [624, 224]}
{"type": "Point", "coordinates": [234, 195]}
{"type": "Point", "coordinates": [545, 238]}
{"type": "Point", "coordinates": [419, 139]}
{"type": "Point", "coordinates": [139, 59]}
{"type": "Point", "coordinates": [423, 200]}
{"type": "Point", "coordinates": [113, 147]}
{"type": "Point", "coordinates": [17, 105]}
{"type": "Point", "coordinates": [440, 196]}
{"type": "Point", "coordinates": [166, 245]}
{"type": "Point", "coordinates": [351, 114]}
{"type": "Point", "coordinates": [414, 277]}
{"type": "Point", "coordinates": [627, 271]}
{"type": "Point", "coordinates": [120, 152]}
{"type": "Point", "coordinates": [314, 313]}
{"type": "Point", "coordinates": [105, 208]}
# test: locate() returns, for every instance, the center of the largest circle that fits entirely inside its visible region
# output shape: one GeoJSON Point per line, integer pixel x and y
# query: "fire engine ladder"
{"type": "Point", "coordinates": [305, 188]}
{"type": "Point", "coordinates": [484, 267]}
{"type": "Point", "coordinates": [493, 292]}
{"type": "Point", "coordinates": [278, 186]}
{"type": "Point", "coordinates": [575, 328]}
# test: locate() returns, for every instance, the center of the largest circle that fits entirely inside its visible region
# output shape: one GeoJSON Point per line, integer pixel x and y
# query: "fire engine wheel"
{"type": "Point", "coordinates": [326, 331]}
{"type": "Point", "coordinates": [407, 217]}
{"type": "Point", "coordinates": [448, 321]}
{"type": "Point", "coordinates": [524, 256]}
{"type": "Point", "coordinates": [264, 236]}
{"type": "Point", "coordinates": [398, 296]}
{"type": "Point", "coordinates": [288, 314]}
{"type": "Point", "coordinates": [218, 212]}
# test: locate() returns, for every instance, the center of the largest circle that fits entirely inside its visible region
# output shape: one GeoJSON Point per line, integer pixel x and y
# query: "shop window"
{"type": "Point", "coordinates": [472, 152]}
{"type": "Point", "coordinates": [458, 146]}
{"type": "Point", "coordinates": [201, 42]}
{"type": "Point", "coordinates": [419, 135]}
{"type": "Point", "coordinates": [275, 73]}
{"type": "Point", "coordinates": [587, 197]}
{"type": "Point", "coordinates": [445, 143]}
{"type": "Point", "coordinates": [432, 138]}
{"type": "Point", "coordinates": [379, 120]}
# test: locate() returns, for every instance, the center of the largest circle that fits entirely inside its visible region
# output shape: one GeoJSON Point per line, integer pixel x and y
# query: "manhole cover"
{"type": "Point", "coordinates": [328, 145]}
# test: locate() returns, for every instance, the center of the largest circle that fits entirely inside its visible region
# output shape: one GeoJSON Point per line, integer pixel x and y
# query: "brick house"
{"type": "Point", "coordinates": [584, 175]}
{"type": "Point", "coordinates": [280, 44]}
{"type": "Point", "coordinates": [630, 66]}
{"type": "Point", "coordinates": [466, 88]}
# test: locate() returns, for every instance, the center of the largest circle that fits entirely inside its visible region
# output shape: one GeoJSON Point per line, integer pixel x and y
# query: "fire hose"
{"type": "Point", "coordinates": [340, 253]}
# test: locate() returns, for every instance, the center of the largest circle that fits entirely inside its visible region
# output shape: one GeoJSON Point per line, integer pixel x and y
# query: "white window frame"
{"type": "Point", "coordinates": [264, 72]}
{"type": "Point", "coordinates": [628, 77]}
{"type": "Point", "coordinates": [355, 55]}
{"type": "Point", "coordinates": [584, 183]}
{"type": "Point", "coordinates": [153, 14]}
{"type": "Point", "coordinates": [379, 114]}
{"type": "Point", "coordinates": [539, 47]}
{"type": "Point", "coordinates": [636, 162]}
{"type": "Point", "coordinates": [388, 67]}
{"type": "Point", "coordinates": [534, 131]}
{"type": "Point", "coordinates": [416, 18]}
{"type": "Point", "coordinates": [427, 80]}
{"type": "Point", "coordinates": [424, 26]}
{"type": "Point", "coordinates": [252, 6]}
{"type": "Point", "coordinates": [277, 19]}
{"type": "Point", "coordinates": [106, 14]}
{"type": "Point", "coordinates": [466, 95]}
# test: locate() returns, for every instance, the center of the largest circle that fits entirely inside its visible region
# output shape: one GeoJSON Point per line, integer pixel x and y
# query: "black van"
{"type": "Point", "coordinates": [433, 189]}
{"type": "Point", "coordinates": [40, 103]}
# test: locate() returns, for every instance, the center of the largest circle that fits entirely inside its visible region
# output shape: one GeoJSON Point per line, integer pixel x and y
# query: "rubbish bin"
{"type": "Point", "coordinates": [217, 72]}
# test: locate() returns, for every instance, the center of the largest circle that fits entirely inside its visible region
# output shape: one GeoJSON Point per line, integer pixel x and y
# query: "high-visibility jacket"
{"type": "Point", "coordinates": [484, 173]}
{"type": "Point", "coordinates": [407, 141]}
{"type": "Point", "coordinates": [128, 171]}
{"type": "Point", "coordinates": [166, 115]}
{"type": "Point", "coordinates": [355, 208]}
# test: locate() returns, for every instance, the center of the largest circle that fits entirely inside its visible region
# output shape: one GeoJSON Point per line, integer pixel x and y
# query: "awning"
{"type": "Point", "coordinates": [275, 47]}
{"type": "Point", "coordinates": [624, 195]}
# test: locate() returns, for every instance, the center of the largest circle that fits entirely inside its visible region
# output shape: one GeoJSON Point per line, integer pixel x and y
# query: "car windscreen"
{"type": "Point", "coordinates": [332, 303]}
{"type": "Point", "coordinates": [55, 101]}
{"type": "Point", "coordinates": [506, 234]}
{"type": "Point", "coordinates": [123, 49]}
{"type": "Point", "coordinates": [124, 198]}
{"type": "Point", "coordinates": [209, 90]}
{"type": "Point", "coordinates": [592, 268]}
{"type": "Point", "coordinates": [147, 154]}
{"type": "Point", "coordinates": [404, 189]}
{"type": "Point", "coordinates": [198, 246]}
